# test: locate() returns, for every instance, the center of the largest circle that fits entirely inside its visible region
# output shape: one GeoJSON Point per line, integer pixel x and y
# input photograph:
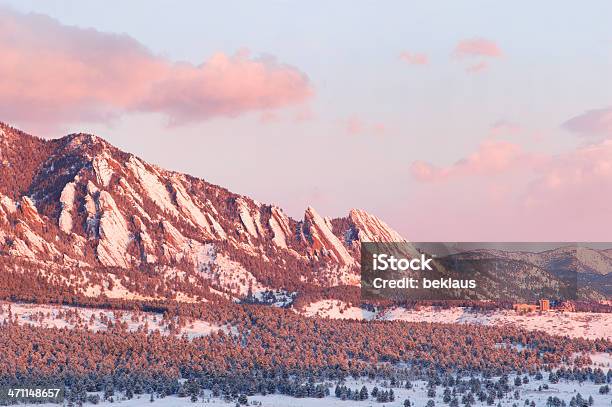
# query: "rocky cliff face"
{"type": "Point", "coordinates": [79, 202]}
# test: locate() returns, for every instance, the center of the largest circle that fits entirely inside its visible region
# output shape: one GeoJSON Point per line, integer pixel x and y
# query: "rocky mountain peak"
{"type": "Point", "coordinates": [79, 200]}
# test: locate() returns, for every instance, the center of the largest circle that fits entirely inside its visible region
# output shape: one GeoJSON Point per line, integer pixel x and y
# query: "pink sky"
{"type": "Point", "coordinates": [461, 130]}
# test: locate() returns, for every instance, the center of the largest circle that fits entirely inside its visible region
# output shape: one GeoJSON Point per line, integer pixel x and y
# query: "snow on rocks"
{"type": "Point", "coordinates": [216, 227]}
{"type": "Point", "coordinates": [227, 273]}
{"type": "Point", "coordinates": [132, 196]}
{"type": "Point", "coordinates": [36, 243]}
{"type": "Point", "coordinates": [280, 227]}
{"type": "Point", "coordinates": [210, 215]}
{"type": "Point", "coordinates": [113, 232]}
{"type": "Point", "coordinates": [67, 203]}
{"type": "Point", "coordinates": [8, 204]}
{"type": "Point", "coordinates": [29, 211]}
{"type": "Point", "coordinates": [19, 248]}
{"type": "Point", "coordinates": [102, 169]}
{"type": "Point", "coordinates": [372, 229]}
{"type": "Point", "coordinates": [146, 241]}
{"type": "Point", "coordinates": [176, 246]}
{"type": "Point", "coordinates": [187, 206]}
{"type": "Point", "coordinates": [323, 238]}
{"type": "Point", "coordinates": [172, 235]}
{"type": "Point", "coordinates": [245, 217]}
{"type": "Point", "coordinates": [2, 211]}
{"type": "Point", "coordinates": [91, 207]}
{"type": "Point", "coordinates": [154, 188]}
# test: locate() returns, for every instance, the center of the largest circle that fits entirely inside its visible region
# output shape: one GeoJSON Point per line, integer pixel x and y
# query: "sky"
{"type": "Point", "coordinates": [451, 121]}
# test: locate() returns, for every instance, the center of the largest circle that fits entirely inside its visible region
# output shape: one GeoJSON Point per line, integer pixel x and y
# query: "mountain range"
{"type": "Point", "coordinates": [78, 213]}
{"type": "Point", "coordinates": [77, 205]}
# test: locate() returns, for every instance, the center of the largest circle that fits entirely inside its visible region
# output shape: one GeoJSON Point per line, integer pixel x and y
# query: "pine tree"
{"type": "Point", "coordinates": [363, 393]}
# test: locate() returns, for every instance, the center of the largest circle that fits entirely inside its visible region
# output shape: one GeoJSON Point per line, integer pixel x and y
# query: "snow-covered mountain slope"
{"type": "Point", "coordinates": [78, 202]}
{"type": "Point", "coordinates": [578, 258]}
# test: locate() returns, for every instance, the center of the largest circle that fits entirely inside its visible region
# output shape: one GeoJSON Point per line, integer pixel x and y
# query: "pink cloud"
{"type": "Point", "coordinates": [415, 58]}
{"type": "Point", "coordinates": [492, 157]}
{"type": "Point", "coordinates": [570, 197]}
{"type": "Point", "coordinates": [356, 126]}
{"type": "Point", "coordinates": [504, 127]}
{"type": "Point", "coordinates": [52, 73]}
{"type": "Point", "coordinates": [503, 193]}
{"type": "Point", "coordinates": [595, 122]}
{"type": "Point", "coordinates": [477, 47]}
{"type": "Point", "coordinates": [581, 176]}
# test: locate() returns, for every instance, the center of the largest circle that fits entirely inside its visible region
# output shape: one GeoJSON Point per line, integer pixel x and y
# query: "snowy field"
{"type": "Point", "coordinates": [574, 324]}
{"type": "Point", "coordinates": [417, 396]}
{"type": "Point", "coordinates": [96, 319]}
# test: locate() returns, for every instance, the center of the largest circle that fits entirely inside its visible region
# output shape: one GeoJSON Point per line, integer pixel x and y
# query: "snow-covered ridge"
{"type": "Point", "coordinates": [280, 227]}
{"type": "Point", "coordinates": [323, 239]}
{"type": "Point", "coordinates": [91, 204]}
{"type": "Point", "coordinates": [114, 234]}
{"type": "Point", "coordinates": [372, 229]}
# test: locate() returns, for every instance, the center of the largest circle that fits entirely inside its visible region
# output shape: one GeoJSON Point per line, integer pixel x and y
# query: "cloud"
{"type": "Point", "coordinates": [355, 126]}
{"type": "Point", "coordinates": [416, 58]}
{"type": "Point", "coordinates": [595, 122]}
{"type": "Point", "coordinates": [574, 190]}
{"type": "Point", "coordinates": [504, 127]}
{"type": "Point", "coordinates": [53, 74]}
{"type": "Point", "coordinates": [502, 192]}
{"type": "Point", "coordinates": [477, 47]}
{"type": "Point", "coordinates": [492, 157]}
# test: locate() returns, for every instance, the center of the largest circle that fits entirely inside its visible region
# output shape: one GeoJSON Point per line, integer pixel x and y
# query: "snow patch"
{"type": "Point", "coordinates": [574, 324]}
{"type": "Point", "coordinates": [280, 227]}
{"type": "Point", "coordinates": [102, 169]}
{"type": "Point", "coordinates": [67, 202]}
{"type": "Point", "coordinates": [189, 208]}
{"type": "Point", "coordinates": [227, 273]}
{"type": "Point", "coordinates": [245, 217]}
{"type": "Point", "coordinates": [114, 234]}
{"type": "Point", "coordinates": [8, 204]}
{"type": "Point", "coordinates": [152, 185]}
{"type": "Point", "coordinates": [336, 309]}
{"type": "Point", "coordinates": [99, 319]}
{"type": "Point", "coordinates": [216, 226]}
{"type": "Point", "coordinates": [20, 248]}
